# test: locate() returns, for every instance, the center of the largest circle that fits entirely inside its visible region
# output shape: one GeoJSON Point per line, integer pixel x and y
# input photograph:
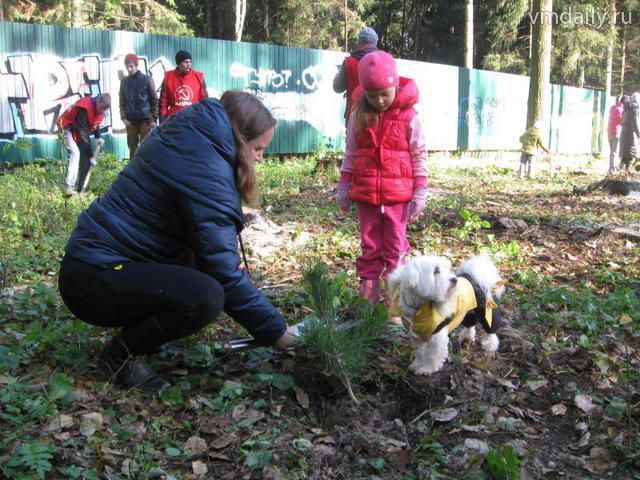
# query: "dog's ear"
{"type": "Point", "coordinates": [411, 275]}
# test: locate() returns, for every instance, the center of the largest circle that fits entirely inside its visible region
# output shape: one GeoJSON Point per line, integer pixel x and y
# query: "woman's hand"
{"type": "Point", "coordinates": [286, 341]}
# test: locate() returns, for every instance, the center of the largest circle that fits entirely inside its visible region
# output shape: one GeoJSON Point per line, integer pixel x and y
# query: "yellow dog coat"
{"type": "Point", "coordinates": [428, 321]}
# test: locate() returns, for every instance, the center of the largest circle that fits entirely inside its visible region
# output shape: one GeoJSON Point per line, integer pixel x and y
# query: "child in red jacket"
{"type": "Point", "coordinates": [384, 170]}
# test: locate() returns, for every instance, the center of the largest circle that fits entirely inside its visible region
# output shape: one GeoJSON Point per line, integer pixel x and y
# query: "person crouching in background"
{"type": "Point", "coordinates": [77, 124]}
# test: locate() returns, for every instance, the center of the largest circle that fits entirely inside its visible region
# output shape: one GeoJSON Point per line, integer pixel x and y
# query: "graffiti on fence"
{"type": "Point", "coordinates": [35, 89]}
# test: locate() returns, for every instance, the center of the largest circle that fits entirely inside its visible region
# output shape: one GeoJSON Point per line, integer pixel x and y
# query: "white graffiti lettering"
{"type": "Point", "coordinates": [260, 78]}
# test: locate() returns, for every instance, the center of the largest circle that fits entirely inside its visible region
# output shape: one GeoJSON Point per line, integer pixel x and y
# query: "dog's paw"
{"type": "Point", "coordinates": [490, 343]}
{"type": "Point", "coordinates": [468, 335]}
{"type": "Point", "coordinates": [420, 368]}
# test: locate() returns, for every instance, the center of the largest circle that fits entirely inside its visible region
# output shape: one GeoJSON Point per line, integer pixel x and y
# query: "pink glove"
{"type": "Point", "coordinates": [418, 203]}
{"type": "Point", "coordinates": [344, 196]}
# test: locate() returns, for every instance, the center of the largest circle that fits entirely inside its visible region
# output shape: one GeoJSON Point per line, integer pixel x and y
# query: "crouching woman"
{"type": "Point", "coordinates": [157, 256]}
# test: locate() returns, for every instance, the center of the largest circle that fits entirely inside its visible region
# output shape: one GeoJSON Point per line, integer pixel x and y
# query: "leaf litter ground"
{"type": "Point", "coordinates": [562, 392]}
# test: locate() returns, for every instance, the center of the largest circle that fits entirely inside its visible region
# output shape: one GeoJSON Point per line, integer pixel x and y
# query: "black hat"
{"type": "Point", "coordinates": [181, 56]}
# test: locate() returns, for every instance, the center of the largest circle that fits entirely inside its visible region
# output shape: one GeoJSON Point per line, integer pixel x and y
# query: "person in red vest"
{"type": "Point", "coordinates": [77, 124]}
{"type": "Point", "coordinates": [346, 80]}
{"type": "Point", "coordinates": [181, 87]}
{"type": "Point", "coordinates": [614, 128]}
{"type": "Point", "coordinates": [384, 170]}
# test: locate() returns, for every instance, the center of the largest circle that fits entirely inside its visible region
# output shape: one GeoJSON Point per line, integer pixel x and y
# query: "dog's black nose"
{"type": "Point", "coordinates": [454, 281]}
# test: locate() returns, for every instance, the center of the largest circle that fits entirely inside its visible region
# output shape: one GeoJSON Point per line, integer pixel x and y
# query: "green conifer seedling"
{"type": "Point", "coordinates": [345, 348]}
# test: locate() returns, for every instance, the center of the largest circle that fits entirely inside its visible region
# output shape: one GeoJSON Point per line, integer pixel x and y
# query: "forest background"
{"type": "Point", "coordinates": [592, 40]}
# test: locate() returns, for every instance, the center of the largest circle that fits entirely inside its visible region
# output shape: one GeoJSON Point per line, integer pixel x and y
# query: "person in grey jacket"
{"type": "Point", "coordinates": [157, 255]}
{"type": "Point", "coordinates": [138, 103]}
{"type": "Point", "coordinates": [630, 134]}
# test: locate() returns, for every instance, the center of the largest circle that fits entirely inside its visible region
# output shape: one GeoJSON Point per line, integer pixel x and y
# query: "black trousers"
{"type": "Point", "coordinates": [153, 303]}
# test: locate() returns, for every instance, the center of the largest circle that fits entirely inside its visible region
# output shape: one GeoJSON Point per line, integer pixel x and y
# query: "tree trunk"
{"type": "Point", "coordinates": [267, 22]}
{"type": "Point", "coordinates": [1, 11]}
{"type": "Point", "coordinates": [540, 62]}
{"type": "Point", "coordinates": [145, 17]}
{"type": "Point", "coordinates": [612, 39]}
{"type": "Point", "coordinates": [346, 28]}
{"type": "Point", "coordinates": [623, 58]}
{"type": "Point", "coordinates": [241, 13]}
{"type": "Point", "coordinates": [76, 13]}
{"type": "Point", "coordinates": [609, 76]}
{"type": "Point", "coordinates": [208, 28]}
{"type": "Point", "coordinates": [468, 34]}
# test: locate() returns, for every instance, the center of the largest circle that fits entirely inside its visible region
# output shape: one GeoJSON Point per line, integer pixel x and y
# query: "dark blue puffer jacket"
{"type": "Point", "coordinates": [177, 198]}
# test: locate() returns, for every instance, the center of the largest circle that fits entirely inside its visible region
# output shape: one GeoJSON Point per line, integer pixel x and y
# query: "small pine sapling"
{"type": "Point", "coordinates": [345, 348]}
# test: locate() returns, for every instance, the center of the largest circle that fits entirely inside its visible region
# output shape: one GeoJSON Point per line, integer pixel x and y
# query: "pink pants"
{"type": "Point", "coordinates": [383, 238]}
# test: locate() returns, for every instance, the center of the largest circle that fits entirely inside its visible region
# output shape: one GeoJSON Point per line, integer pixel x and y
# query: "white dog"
{"type": "Point", "coordinates": [433, 301]}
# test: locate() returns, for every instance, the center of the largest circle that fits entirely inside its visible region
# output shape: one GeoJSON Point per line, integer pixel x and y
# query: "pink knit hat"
{"type": "Point", "coordinates": [377, 70]}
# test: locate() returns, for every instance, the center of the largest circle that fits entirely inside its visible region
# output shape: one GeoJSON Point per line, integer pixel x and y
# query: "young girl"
{"type": "Point", "coordinates": [384, 170]}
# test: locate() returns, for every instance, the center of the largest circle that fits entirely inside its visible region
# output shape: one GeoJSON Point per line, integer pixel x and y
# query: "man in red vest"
{"type": "Point", "coordinates": [77, 124]}
{"type": "Point", "coordinates": [346, 79]}
{"type": "Point", "coordinates": [181, 87]}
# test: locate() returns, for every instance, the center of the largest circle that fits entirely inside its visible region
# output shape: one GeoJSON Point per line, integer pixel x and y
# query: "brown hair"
{"type": "Point", "coordinates": [249, 119]}
{"type": "Point", "coordinates": [365, 114]}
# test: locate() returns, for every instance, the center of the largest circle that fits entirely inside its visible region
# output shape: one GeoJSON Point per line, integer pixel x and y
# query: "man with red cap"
{"type": "Point", "coordinates": [138, 103]}
{"type": "Point", "coordinates": [181, 87]}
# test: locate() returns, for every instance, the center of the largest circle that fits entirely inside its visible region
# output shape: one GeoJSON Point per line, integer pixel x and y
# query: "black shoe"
{"type": "Point", "coordinates": [128, 371]}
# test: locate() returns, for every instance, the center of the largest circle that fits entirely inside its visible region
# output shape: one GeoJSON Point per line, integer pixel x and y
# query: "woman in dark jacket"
{"type": "Point", "coordinates": [157, 255]}
{"type": "Point", "coordinates": [630, 133]}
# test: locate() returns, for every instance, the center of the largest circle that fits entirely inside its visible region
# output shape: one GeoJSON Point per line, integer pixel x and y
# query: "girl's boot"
{"type": "Point", "coordinates": [370, 291]}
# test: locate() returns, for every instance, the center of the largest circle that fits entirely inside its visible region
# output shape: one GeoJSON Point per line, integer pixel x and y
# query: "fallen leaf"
{"type": "Point", "coordinates": [196, 445]}
{"type": "Point", "coordinates": [59, 422]}
{"type": "Point", "coordinates": [585, 438]}
{"type": "Point", "coordinates": [584, 403]}
{"type": "Point", "coordinates": [302, 397]}
{"type": "Point", "coordinates": [479, 446]}
{"type": "Point", "coordinates": [221, 442]}
{"type": "Point", "coordinates": [625, 319]}
{"type": "Point", "coordinates": [157, 473]}
{"type": "Point", "coordinates": [218, 456]}
{"type": "Point", "coordinates": [271, 472]}
{"type": "Point", "coordinates": [534, 385]}
{"type": "Point", "coordinates": [238, 412]}
{"type": "Point", "coordinates": [90, 423]}
{"type": "Point", "coordinates": [444, 415]}
{"type": "Point", "coordinates": [199, 468]}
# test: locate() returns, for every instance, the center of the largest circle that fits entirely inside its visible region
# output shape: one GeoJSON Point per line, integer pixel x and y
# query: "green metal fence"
{"type": "Point", "coordinates": [45, 69]}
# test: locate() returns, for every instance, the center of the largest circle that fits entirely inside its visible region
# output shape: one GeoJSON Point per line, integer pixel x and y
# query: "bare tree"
{"type": "Point", "coordinates": [623, 58]}
{"type": "Point", "coordinates": [76, 13]}
{"type": "Point", "coordinates": [540, 60]}
{"type": "Point", "coordinates": [609, 74]}
{"type": "Point", "coordinates": [241, 13]}
{"type": "Point", "coordinates": [468, 41]}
